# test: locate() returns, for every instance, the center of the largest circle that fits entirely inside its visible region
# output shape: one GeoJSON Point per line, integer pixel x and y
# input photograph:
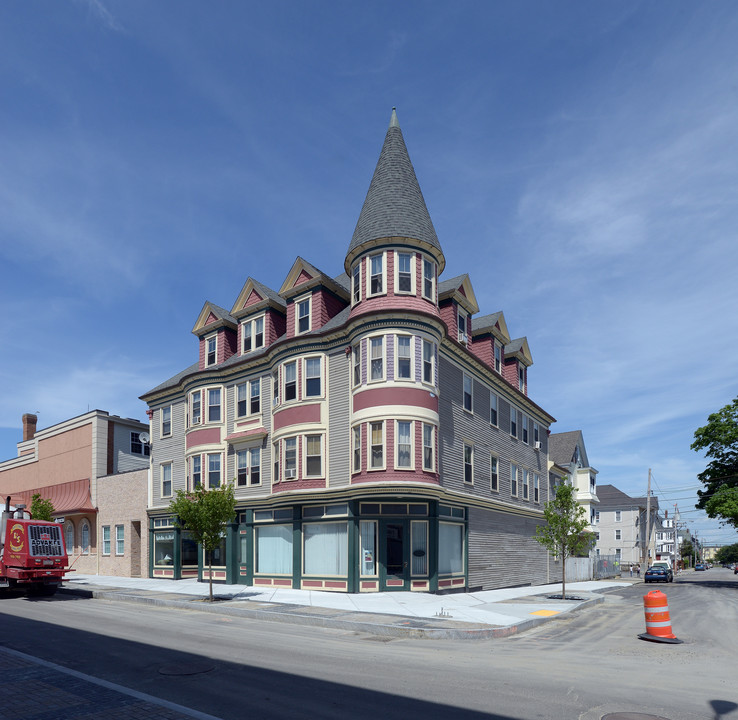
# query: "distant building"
{"type": "Point", "coordinates": [379, 432]}
{"type": "Point", "coordinates": [94, 470]}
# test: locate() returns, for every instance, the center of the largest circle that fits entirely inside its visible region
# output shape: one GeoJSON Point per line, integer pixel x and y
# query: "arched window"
{"type": "Point", "coordinates": [85, 540]}
{"type": "Point", "coordinates": [69, 536]}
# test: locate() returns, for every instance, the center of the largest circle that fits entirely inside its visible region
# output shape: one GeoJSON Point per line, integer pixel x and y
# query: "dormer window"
{"type": "Point", "coordinates": [521, 378]}
{"type": "Point", "coordinates": [429, 280]}
{"type": "Point", "coordinates": [303, 315]}
{"type": "Point", "coordinates": [463, 328]}
{"type": "Point", "coordinates": [376, 276]}
{"type": "Point", "coordinates": [404, 273]}
{"type": "Point", "coordinates": [252, 332]}
{"type": "Point", "coordinates": [211, 350]}
{"type": "Point", "coordinates": [498, 357]}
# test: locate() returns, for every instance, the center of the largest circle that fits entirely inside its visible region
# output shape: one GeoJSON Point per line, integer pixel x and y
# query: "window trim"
{"type": "Point", "coordinates": [497, 355]}
{"type": "Point", "coordinates": [468, 446]}
{"type": "Point", "coordinates": [432, 362]}
{"type": "Point", "coordinates": [526, 484]}
{"type": "Point", "coordinates": [106, 540]}
{"type": "Point", "coordinates": [370, 275]}
{"type": "Point", "coordinates": [191, 407]}
{"type": "Point", "coordinates": [299, 301]}
{"type": "Point", "coordinates": [191, 471]}
{"type": "Point", "coordinates": [463, 337]}
{"type": "Point", "coordinates": [220, 406]}
{"type": "Point", "coordinates": [207, 340]}
{"type": "Point", "coordinates": [494, 473]}
{"type": "Point", "coordinates": [513, 422]}
{"type": "Point", "coordinates": [305, 456]}
{"type": "Point", "coordinates": [356, 283]}
{"type": "Point", "coordinates": [249, 399]}
{"type": "Point", "coordinates": [432, 446]}
{"type": "Point", "coordinates": [370, 446]}
{"type": "Point", "coordinates": [470, 394]}
{"type": "Point", "coordinates": [291, 439]}
{"type": "Point", "coordinates": [432, 264]}
{"type": "Point", "coordinates": [494, 406]}
{"type": "Point", "coordinates": [321, 366]}
{"type": "Point", "coordinates": [409, 357]}
{"type": "Point", "coordinates": [382, 358]}
{"type": "Point", "coordinates": [356, 365]}
{"type": "Point", "coordinates": [412, 256]}
{"type": "Point", "coordinates": [356, 449]}
{"type": "Point", "coordinates": [248, 453]}
{"type": "Point", "coordinates": [221, 474]}
{"type": "Point", "coordinates": [514, 480]}
{"type": "Point", "coordinates": [162, 471]}
{"type": "Point", "coordinates": [524, 424]}
{"type": "Point", "coordinates": [285, 382]}
{"type": "Point", "coordinates": [411, 452]}
{"type": "Point", "coordinates": [120, 541]}
{"type": "Point", "coordinates": [252, 335]}
{"type": "Point", "coordinates": [165, 422]}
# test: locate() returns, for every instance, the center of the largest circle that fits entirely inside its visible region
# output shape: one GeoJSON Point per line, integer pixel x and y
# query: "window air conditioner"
{"type": "Point", "coordinates": [537, 444]}
{"type": "Point", "coordinates": [290, 474]}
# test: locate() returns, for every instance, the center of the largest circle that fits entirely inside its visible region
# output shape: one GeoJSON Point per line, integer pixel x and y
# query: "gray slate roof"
{"type": "Point", "coordinates": [610, 496]}
{"type": "Point", "coordinates": [561, 447]}
{"type": "Point", "coordinates": [394, 205]}
{"type": "Point", "coordinates": [268, 294]}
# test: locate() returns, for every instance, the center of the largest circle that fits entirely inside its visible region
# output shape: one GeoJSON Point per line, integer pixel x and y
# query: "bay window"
{"type": "Point", "coordinates": [377, 358]}
{"type": "Point", "coordinates": [377, 445]}
{"type": "Point", "coordinates": [313, 377]}
{"type": "Point", "coordinates": [376, 276]}
{"type": "Point", "coordinates": [214, 479]}
{"type": "Point", "coordinates": [313, 455]}
{"type": "Point", "coordinates": [403, 351]}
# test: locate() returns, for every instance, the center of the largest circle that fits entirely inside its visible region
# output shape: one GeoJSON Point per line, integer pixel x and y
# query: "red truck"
{"type": "Point", "coordinates": [32, 552]}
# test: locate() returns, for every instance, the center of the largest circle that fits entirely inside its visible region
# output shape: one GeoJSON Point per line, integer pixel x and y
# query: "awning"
{"type": "Point", "coordinates": [67, 498]}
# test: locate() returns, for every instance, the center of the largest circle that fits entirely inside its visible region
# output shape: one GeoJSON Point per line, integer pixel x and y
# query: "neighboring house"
{"type": "Point", "coordinates": [94, 470]}
{"type": "Point", "coordinates": [379, 435]}
{"type": "Point", "coordinates": [567, 451]}
{"type": "Point", "coordinates": [622, 527]}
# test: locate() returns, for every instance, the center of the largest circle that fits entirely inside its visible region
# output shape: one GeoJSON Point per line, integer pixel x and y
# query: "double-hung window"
{"type": "Point", "coordinates": [513, 480]}
{"type": "Point", "coordinates": [303, 315]}
{"type": "Point", "coordinates": [526, 484]}
{"type": "Point", "coordinates": [106, 540]}
{"type": "Point", "coordinates": [290, 458]}
{"type": "Point", "coordinates": [463, 328]}
{"type": "Point", "coordinates": [356, 451]}
{"type": "Point", "coordinates": [195, 472]}
{"type": "Point", "coordinates": [525, 429]}
{"type": "Point", "coordinates": [617, 535]}
{"type": "Point", "coordinates": [513, 422]}
{"type": "Point", "coordinates": [248, 470]}
{"type": "Point", "coordinates": [214, 478]}
{"type": "Point", "coordinates": [166, 421]}
{"type": "Point", "coordinates": [494, 482]}
{"type": "Point", "coordinates": [290, 381]}
{"type": "Point", "coordinates": [252, 332]}
{"type": "Point", "coordinates": [404, 273]}
{"type": "Point", "coordinates": [211, 350]}
{"type": "Point", "coordinates": [377, 358]}
{"type": "Point", "coordinates": [521, 378]}
{"type": "Point", "coordinates": [376, 276]}
{"type": "Point", "coordinates": [377, 445]}
{"type": "Point", "coordinates": [214, 405]}
{"type": "Point", "coordinates": [536, 435]}
{"type": "Point", "coordinates": [119, 540]}
{"type": "Point", "coordinates": [313, 377]}
{"type": "Point", "coordinates": [536, 487]}
{"type": "Point", "coordinates": [498, 357]}
{"type": "Point", "coordinates": [429, 448]}
{"type": "Point", "coordinates": [356, 360]}
{"type": "Point", "coordinates": [404, 359]}
{"type": "Point", "coordinates": [313, 456]}
{"type": "Point", "coordinates": [356, 283]}
{"type": "Point", "coordinates": [404, 444]}
{"type": "Point", "coordinates": [166, 480]}
{"type": "Point", "coordinates": [429, 280]}
{"type": "Point", "coordinates": [467, 393]}
{"type": "Point", "coordinates": [195, 412]}
{"type": "Point", "coordinates": [493, 409]}
{"type": "Point", "coordinates": [468, 463]}
{"type": "Point", "coordinates": [429, 357]}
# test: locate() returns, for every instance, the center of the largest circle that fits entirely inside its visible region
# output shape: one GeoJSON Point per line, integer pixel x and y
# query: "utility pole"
{"type": "Point", "coordinates": [648, 524]}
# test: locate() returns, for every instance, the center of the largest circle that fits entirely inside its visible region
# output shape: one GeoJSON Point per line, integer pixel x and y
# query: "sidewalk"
{"type": "Point", "coordinates": [478, 615]}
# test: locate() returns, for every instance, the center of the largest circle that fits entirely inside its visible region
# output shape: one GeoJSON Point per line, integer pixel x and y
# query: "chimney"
{"type": "Point", "coordinates": [29, 426]}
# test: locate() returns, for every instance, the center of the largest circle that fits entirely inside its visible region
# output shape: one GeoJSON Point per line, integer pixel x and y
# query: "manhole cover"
{"type": "Point", "coordinates": [188, 669]}
{"type": "Point", "coordinates": [632, 716]}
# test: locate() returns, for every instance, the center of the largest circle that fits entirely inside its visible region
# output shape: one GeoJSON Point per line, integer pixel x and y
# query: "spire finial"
{"type": "Point", "coordinates": [394, 122]}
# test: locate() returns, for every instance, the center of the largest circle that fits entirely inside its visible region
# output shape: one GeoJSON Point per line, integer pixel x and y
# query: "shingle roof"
{"type": "Point", "coordinates": [394, 205]}
{"type": "Point", "coordinates": [561, 446]}
{"type": "Point", "coordinates": [610, 496]}
{"type": "Point", "coordinates": [268, 294]}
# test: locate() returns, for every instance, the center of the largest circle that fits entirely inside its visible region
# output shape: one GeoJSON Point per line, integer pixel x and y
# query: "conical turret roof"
{"type": "Point", "coordinates": [394, 206]}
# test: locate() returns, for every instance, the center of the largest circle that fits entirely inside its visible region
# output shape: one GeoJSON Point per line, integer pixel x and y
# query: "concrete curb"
{"type": "Point", "coordinates": [383, 625]}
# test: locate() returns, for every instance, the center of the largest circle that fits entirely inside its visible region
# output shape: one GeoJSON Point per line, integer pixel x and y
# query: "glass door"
{"type": "Point", "coordinates": [394, 555]}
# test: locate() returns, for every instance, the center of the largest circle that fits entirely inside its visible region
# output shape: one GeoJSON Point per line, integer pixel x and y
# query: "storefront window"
{"type": "Point", "coordinates": [216, 557]}
{"type": "Point", "coordinates": [368, 547]}
{"type": "Point", "coordinates": [420, 547]}
{"type": "Point", "coordinates": [450, 548]}
{"type": "Point", "coordinates": [189, 550]}
{"type": "Point", "coordinates": [326, 548]}
{"type": "Point", "coordinates": [273, 549]}
{"type": "Point", "coordinates": [163, 548]}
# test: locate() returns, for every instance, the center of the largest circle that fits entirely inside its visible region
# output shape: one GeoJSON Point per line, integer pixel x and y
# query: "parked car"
{"type": "Point", "coordinates": [735, 569]}
{"type": "Point", "coordinates": [700, 566]}
{"type": "Point", "coordinates": [657, 574]}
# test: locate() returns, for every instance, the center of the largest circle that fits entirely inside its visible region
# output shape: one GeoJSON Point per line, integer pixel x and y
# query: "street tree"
{"type": "Point", "coordinates": [566, 531]}
{"type": "Point", "coordinates": [205, 514]}
{"type": "Point", "coordinates": [719, 441]}
{"type": "Point", "coordinates": [727, 554]}
{"type": "Point", "coordinates": [41, 508]}
{"type": "Point", "coordinates": [686, 550]}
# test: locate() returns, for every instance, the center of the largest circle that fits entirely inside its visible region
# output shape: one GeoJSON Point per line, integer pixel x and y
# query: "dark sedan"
{"type": "Point", "coordinates": [656, 574]}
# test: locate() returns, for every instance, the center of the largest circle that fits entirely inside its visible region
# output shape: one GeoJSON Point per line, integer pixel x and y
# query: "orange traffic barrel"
{"type": "Point", "coordinates": [658, 622]}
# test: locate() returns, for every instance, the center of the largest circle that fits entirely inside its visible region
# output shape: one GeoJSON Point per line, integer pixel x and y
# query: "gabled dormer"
{"type": "Point", "coordinates": [457, 304]}
{"type": "Point", "coordinates": [261, 314]}
{"type": "Point", "coordinates": [489, 338]}
{"type": "Point", "coordinates": [312, 298]}
{"type": "Point", "coordinates": [516, 363]}
{"type": "Point", "coordinates": [217, 331]}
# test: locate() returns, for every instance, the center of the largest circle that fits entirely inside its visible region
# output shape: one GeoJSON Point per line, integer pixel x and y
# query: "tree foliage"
{"type": "Point", "coordinates": [41, 508]}
{"type": "Point", "coordinates": [565, 533]}
{"type": "Point", "coordinates": [686, 550]}
{"type": "Point", "coordinates": [719, 441]}
{"type": "Point", "coordinates": [727, 554]}
{"type": "Point", "coordinates": [205, 515]}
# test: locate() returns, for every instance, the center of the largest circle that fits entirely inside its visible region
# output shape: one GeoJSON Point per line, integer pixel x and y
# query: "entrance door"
{"type": "Point", "coordinates": [395, 543]}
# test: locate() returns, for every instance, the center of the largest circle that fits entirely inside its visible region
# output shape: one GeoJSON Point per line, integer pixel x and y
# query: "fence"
{"type": "Point", "coordinates": [606, 566]}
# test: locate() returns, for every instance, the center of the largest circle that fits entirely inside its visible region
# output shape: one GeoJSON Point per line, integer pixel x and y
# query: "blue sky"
{"type": "Point", "coordinates": [579, 160]}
